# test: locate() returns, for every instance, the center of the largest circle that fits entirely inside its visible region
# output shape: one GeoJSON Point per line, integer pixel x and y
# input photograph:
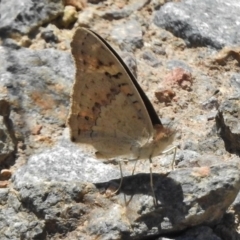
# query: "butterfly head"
{"type": "Point", "coordinates": [162, 139]}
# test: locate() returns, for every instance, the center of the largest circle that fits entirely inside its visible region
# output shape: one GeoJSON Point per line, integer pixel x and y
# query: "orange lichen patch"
{"type": "Point", "coordinates": [3, 184]}
{"type": "Point", "coordinates": [165, 96]}
{"type": "Point", "coordinates": [62, 113]}
{"type": "Point", "coordinates": [44, 139]}
{"type": "Point", "coordinates": [36, 130]}
{"type": "Point", "coordinates": [57, 88]}
{"type": "Point", "coordinates": [201, 172]}
{"type": "Point", "coordinates": [181, 77]}
{"type": "Point", "coordinates": [226, 54]}
{"type": "Point", "coordinates": [42, 100]}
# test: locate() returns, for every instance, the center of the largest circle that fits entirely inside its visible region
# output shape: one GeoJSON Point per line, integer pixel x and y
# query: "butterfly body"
{"type": "Point", "coordinates": [109, 110]}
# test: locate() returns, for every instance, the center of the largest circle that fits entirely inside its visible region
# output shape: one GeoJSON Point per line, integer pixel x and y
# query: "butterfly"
{"type": "Point", "coordinates": [109, 109]}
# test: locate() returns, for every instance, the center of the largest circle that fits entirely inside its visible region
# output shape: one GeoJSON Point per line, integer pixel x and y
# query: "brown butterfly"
{"type": "Point", "coordinates": [109, 110]}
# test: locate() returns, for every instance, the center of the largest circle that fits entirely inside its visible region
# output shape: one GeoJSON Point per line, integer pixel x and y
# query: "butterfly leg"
{"type": "Point", "coordinates": [120, 185]}
{"type": "Point", "coordinates": [174, 148]}
{"type": "Point", "coordinates": [174, 157]}
{"type": "Point", "coordinates": [134, 166]}
{"type": "Point", "coordinates": [151, 182]}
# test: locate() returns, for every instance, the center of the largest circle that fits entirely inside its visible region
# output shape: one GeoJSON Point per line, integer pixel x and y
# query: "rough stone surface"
{"type": "Point", "coordinates": [197, 196]}
{"type": "Point", "coordinates": [54, 189]}
{"type": "Point", "coordinates": [7, 140]}
{"type": "Point", "coordinates": [118, 12]}
{"type": "Point", "coordinates": [128, 35]}
{"type": "Point", "coordinates": [202, 23]}
{"type": "Point", "coordinates": [24, 16]}
{"type": "Point", "coordinates": [27, 76]}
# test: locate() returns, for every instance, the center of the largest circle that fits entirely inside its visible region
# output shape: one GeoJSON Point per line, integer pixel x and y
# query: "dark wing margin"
{"type": "Point", "coordinates": [151, 111]}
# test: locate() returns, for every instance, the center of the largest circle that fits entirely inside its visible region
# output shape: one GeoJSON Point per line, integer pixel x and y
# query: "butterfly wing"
{"type": "Point", "coordinates": [108, 107]}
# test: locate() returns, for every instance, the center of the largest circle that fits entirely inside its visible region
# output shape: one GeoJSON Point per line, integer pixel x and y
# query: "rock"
{"type": "Point", "coordinates": [8, 42]}
{"type": "Point", "coordinates": [128, 35]}
{"type": "Point", "coordinates": [23, 16]}
{"type": "Point", "coordinates": [86, 18]}
{"type": "Point", "coordinates": [17, 223]}
{"type": "Point", "coordinates": [204, 27]}
{"type": "Point", "coordinates": [178, 64]}
{"type": "Point", "coordinates": [37, 86]}
{"type": "Point", "coordinates": [130, 61]}
{"type": "Point", "coordinates": [180, 77]}
{"type": "Point", "coordinates": [58, 189]}
{"type": "Point", "coordinates": [70, 169]}
{"type": "Point", "coordinates": [25, 42]}
{"type": "Point", "coordinates": [49, 36]}
{"type": "Point", "coordinates": [227, 123]}
{"type": "Point", "coordinates": [69, 16]}
{"type": "Point", "coordinates": [199, 233]}
{"type": "Point", "coordinates": [186, 197]}
{"type": "Point", "coordinates": [7, 143]}
{"type": "Point", "coordinates": [78, 4]}
{"type": "Point", "coordinates": [149, 57]}
{"type": "Point", "coordinates": [235, 83]}
{"type": "Point", "coordinates": [122, 11]}
{"type": "Point", "coordinates": [227, 54]}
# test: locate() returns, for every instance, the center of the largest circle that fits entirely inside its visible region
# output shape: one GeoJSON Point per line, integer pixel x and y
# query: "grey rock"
{"type": "Point", "coordinates": [199, 233]}
{"type": "Point", "coordinates": [195, 233]}
{"type": "Point", "coordinates": [187, 158]}
{"type": "Point", "coordinates": [24, 16]}
{"type": "Point", "coordinates": [116, 13]}
{"type": "Point", "coordinates": [130, 61]}
{"type": "Point", "coordinates": [190, 145]}
{"type": "Point", "coordinates": [8, 42]}
{"type": "Point", "coordinates": [235, 83]}
{"type": "Point", "coordinates": [37, 83]}
{"type": "Point", "coordinates": [228, 127]}
{"type": "Point", "coordinates": [16, 223]}
{"type": "Point", "coordinates": [7, 143]}
{"type": "Point", "coordinates": [149, 57]}
{"type": "Point", "coordinates": [227, 228]}
{"type": "Point", "coordinates": [236, 204]}
{"type": "Point", "coordinates": [62, 190]}
{"type": "Point", "coordinates": [48, 36]}
{"type": "Point", "coordinates": [4, 196]}
{"type": "Point", "coordinates": [55, 174]}
{"type": "Point", "coordinates": [211, 103]}
{"type": "Point", "coordinates": [202, 23]}
{"type": "Point", "coordinates": [113, 226]}
{"type": "Point", "coordinates": [178, 64]}
{"type": "Point", "coordinates": [65, 162]}
{"type": "Point", "coordinates": [128, 35]}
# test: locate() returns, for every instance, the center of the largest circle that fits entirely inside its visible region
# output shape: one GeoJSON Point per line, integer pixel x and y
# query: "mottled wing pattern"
{"type": "Point", "coordinates": [107, 110]}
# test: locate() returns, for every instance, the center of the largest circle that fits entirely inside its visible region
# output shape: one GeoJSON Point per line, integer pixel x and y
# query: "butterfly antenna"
{"type": "Point", "coordinates": [120, 185]}
{"type": "Point", "coordinates": [151, 181]}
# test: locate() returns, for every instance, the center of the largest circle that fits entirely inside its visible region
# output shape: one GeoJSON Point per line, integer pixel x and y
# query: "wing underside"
{"type": "Point", "coordinates": [106, 106]}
